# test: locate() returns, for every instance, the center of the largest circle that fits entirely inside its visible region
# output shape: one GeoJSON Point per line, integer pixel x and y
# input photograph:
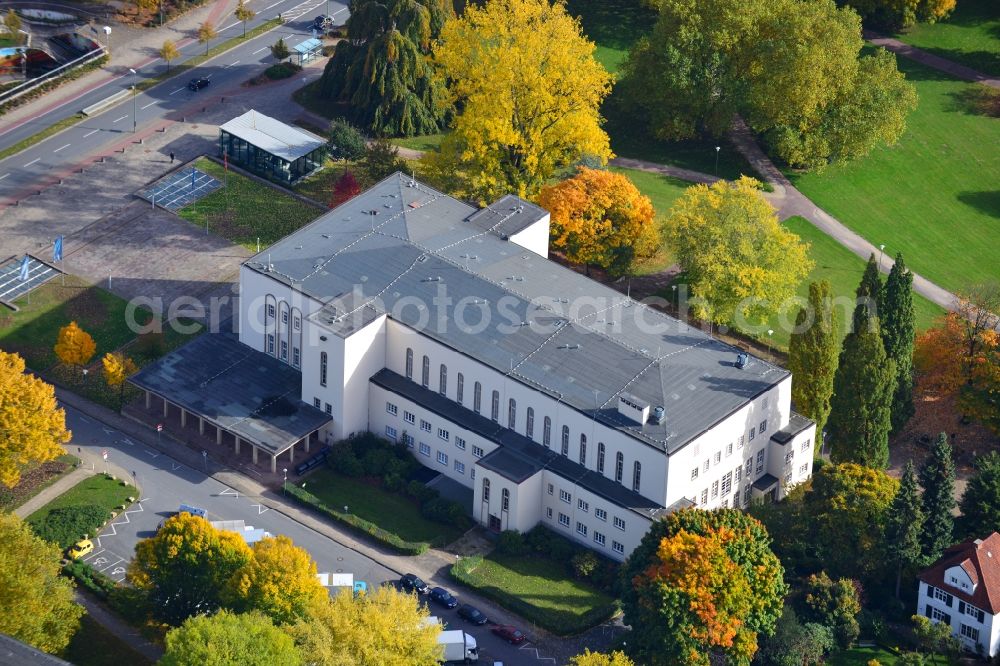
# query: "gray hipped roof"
{"type": "Point", "coordinates": [420, 256]}
{"type": "Point", "coordinates": [285, 141]}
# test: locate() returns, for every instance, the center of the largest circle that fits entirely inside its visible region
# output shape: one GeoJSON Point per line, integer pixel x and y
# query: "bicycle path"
{"type": "Point", "coordinates": [936, 62]}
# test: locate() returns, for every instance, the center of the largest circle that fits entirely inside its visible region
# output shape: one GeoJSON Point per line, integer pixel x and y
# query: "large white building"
{"type": "Point", "coordinates": [555, 399]}
{"type": "Point", "coordinates": [962, 590]}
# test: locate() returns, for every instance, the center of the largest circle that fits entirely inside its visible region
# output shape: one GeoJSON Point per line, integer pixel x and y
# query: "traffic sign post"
{"type": "Point", "coordinates": [159, 429]}
{"type": "Point", "coordinates": [204, 456]}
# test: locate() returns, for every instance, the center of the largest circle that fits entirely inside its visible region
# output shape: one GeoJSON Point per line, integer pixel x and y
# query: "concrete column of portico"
{"type": "Point", "coordinates": [237, 444]}
{"type": "Point", "coordinates": [184, 417]}
{"type": "Point", "coordinates": [218, 435]}
{"type": "Point", "coordinates": [166, 408]}
{"type": "Point", "coordinates": [308, 438]}
{"type": "Point", "coordinates": [291, 453]}
{"type": "Point", "coordinates": [274, 463]}
{"type": "Point", "coordinates": [149, 399]}
{"type": "Point", "coordinates": [254, 454]}
{"type": "Point", "coordinates": [201, 426]}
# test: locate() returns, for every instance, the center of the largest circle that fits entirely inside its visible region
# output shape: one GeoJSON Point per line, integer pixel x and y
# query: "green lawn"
{"type": "Point", "coordinates": [860, 656]}
{"type": "Point", "coordinates": [245, 210]}
{"type": "Point", "coordinates": [538, 589]}
{"type": "Point", "coordinates": [613, 26]}
{"type": "Point", "coordinates": [99, 490]}
{"type": "Point", "coordinates": [662, 191]}
{"type": "Point", "coordinates": [970, 36]}
{"type": "Point", "coordinates": [421, 143]}
{"type": "Point", "coordinates": [935, 196]}
{"type": "Point", "coordinates": [93, 645]}
{"type": "Point", "coordinates": [392, 512]}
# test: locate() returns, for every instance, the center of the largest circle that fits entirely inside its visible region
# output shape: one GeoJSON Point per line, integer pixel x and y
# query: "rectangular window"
{"type": "Point", "coordinates": [617, 547]}
{"type": "Point", "coordinates": [601, 514]}
{"type": "Point", "coordinates": [760, 461]}
{"type": "Point", "coordinates": [284, 350]}
{"type": "Point", "coordinates": [472, 473]}
{"type": "Point", "coordinates": [295, 356]}
{"type": "Point", "coordinates": [749, 468]}
{"type": "Point", "coordinates": [704, 467]}
{"type": "Point", "coordinates": [317, 404]}
{"type": "Point", "coordinates": [715, 489]}
{"type": "Point", "coordinates": [284, 317]}
{"type": "Point", "coordinates": [297, 323]}
{"type": "Point", "coordinates": [718, 457]}
{"type": "Point", "coordinates": [459, 388]}
{"type": "Point", "coordinates": [425, 450]}
{"type": "Point", "coordinates": [270, 311]}
{"type": "Point", "coordinates": [409, 417]}
{"type": "Point", "coordinates": [803, 469]}
{"type": "Point", "coordinates": [548, 512]}
{"type": "Point", "coordinates": [806, 444]}
{"type": "Point", "coordinates": [425, 426]}
{"type": "Point", "coordinates": [460, 467]}
{"type": "Point", "coordinates": [391, 408]}
{"type": "Point", "coordinates": [787, 479]}
{"type": "Point", "coordinates": [941, 595]}
{"type": "Point", "coordinates": [619, 523]}
{"type": "Point", "coordinates": [753, 432]}
{"type": "Point", "coordinates": [408, 440]}
{"type": "Point", "coordinates": [391, 433]}
{"type": "Point", "coordinates": [551, 488]}
{"type": "Point", "coordinates": [746, 494]}
{"type": "Point", "coordinates": [729, 449]}
{"type": "Point", "coordinates": [762, 427]}
{"type": "Point", "coordinates": [565, 496]}
{"type": "Point", "coordinates": [739, 442]}
{"type": "Point", "coordinates": [727, 483]}
{"type": "Point", "coordinates": [329, 409]}
{"type": "Point", "coordinates": [564, 520]}
{"type": "Point", "coordinates": [583, 506]}
{"type": "Point", "coordinates": [477, 451]}
{"type": "Point", "coordinates": [460, 443]}
{"type": "Point", "coordinates": [739, 474]}
{"type": "Point", "coordinates": [443, 458]}
{"type": "Point", "coordinates": [443, 434]}
{"type": "Point", "coordinates": [599, 538]}
{"type": "Point", "coordinates": [940, 616]}
{"type": "Point", "coordinates": [694, 473]}
{"type": "Point", "coordinates": [270, 344]}
{"type": "Point", "coordinates": [704, 497]}
{"type": "Point", "coordinates": [725, 502]}
{"type": "Point", "coordinates": [581, 528]}
{"type": "Point", "coordinates": [970, 632]}
{"type": "Point", "coordinates": [789, 457]}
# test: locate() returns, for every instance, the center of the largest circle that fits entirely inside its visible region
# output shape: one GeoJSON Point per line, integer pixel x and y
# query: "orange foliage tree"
{"type": "Point", "coordinates": [600, 218]}
{"type": "Point", "coordinates": [74, 345]}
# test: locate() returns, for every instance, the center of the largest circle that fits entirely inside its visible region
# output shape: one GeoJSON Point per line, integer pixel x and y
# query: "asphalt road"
{"type": "Point", "coordinates": [166, 483]}
{"type": "Point", "coordinates": [66, 149]}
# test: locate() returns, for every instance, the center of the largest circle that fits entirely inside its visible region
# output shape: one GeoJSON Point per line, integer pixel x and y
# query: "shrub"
{"type": "Point", "coordinates": [349, 465]}
{"type": "Point", "coordinates": [374, 461]}
{"type": "Point", "coordinates": [151, 345]}
{"type": "Point", "coordinates": [420, 492]}
{"type": "Point", "coordinates": [511, 542]}
{"type": "Point", "coordinates": [436, 509]}
{"type": "Point", "coordinates": [131, 604]}
{"type": "Point", "coordinates": [346, 141]}
{"type": "Point", "coordinates": [380, 159]}
{"type": "Point", "coordinates": [584, 564]}
{"type": "Point", "coordinates": [392, 482]}
{"type": "Point", "coordinates": [282, 70]}
{"type": "Point", "coordinates": [66, 525]}
{"type": "Point", "coordinates": [396, 467]}
{"type": "Point", "coordinates": [90, 579]}
{"type": "Point", "coordinates": [539, 539]}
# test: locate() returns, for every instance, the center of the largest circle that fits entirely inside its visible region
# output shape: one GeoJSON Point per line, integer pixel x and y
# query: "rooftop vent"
{"type": "Point", "coordinates": [633, 408]}
{"type": "Point", "coordinates": [742, 360]}
{"type": "Point", "coordinates": [658, 415]}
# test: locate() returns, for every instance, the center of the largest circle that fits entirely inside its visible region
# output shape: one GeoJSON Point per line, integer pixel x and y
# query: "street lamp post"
{"type": "Point", "coordinates": [717, 149]}
{"type": "Point", "coordinates": [134, 119]}
{"type": "Point", "coordinates": [770, 332]}
{"type": "Point", "coordinates": [284, 480]}
{"type": "Point", "coordinates": [881, 252]}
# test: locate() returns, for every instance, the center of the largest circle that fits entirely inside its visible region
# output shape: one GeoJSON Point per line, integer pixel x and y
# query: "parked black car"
{"type": "Point", "coordinates": [198, 84]}
{"type": "Point", "coordinates": [472, 614]}
{"type": "Point", "coordinates": [322, 21]}
{"type": "Point", "coordinates": [412, 583]}
{"type": "Point", "coordinates": [441, 596]}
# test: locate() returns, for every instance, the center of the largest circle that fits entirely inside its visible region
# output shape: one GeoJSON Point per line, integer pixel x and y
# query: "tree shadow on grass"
{"type": "Point", "coordinates": [985, 202]}
{"type": "Point", "coordinates": [985, 62]}
{"type": "Point", "coordinates": [976, 100]}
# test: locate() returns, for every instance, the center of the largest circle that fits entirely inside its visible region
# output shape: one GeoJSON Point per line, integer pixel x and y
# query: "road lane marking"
{"type": "Point", "coordinates": [274, 5]}
{"type": "Point", "coordinates": [122, 118]}
{"type": "Point", "coordinates": [229, 491]}
{"type": "Point", "coordinates": [128, 441]}
{"type": "Point", "coordinates": [108, 432]}
{"type": "Point", "coordinates": [92, 132]}
{"type": "Point", "coordinates": [4, 176]}
{"type": "Point", "coordinates": [175, 466]}
{"type": "Point", "coordinates": [260, 508]}
{"type": "Point", "coordinates": [62, 148]}
{"type": "Point", "coordinates": [229, 26]}
{"type": "Point", "coordinates": [260, 50]}
{"type": "Point", "coordinates": [152, 454]}
{"type": "Point", "coordinates": [148, 105]}
{"type": "Point", "coordinates": [230, 64]}
{"type": "Point", "coordinates": [177, 91]}
{"type": "Point", "coordinates": [37, 159]}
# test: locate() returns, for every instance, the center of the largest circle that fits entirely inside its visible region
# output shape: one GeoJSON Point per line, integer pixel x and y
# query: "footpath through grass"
{"type": "Point", "coordinates": [935, 196]}
{"type": "Point", "coordinates": [970, 36]}
{"type": "Point", "coordinates": [246, 210]}
{"type": "Point", "coordinates": [93, 645]}
{"type": "Point", "coordinates": [83, 509]}
{"type": "Point", "coordinates": [538, 589]}
{"type": "Point", "coordinates": [35, 480]}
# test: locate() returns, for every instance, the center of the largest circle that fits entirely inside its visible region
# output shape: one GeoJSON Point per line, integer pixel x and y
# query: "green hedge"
{"type": "Point", "coordinates": [90, 579]}
{"type": "Point", "coordinates": [65, 525]}
{"type": "Point", "coordinates": [360, 525]}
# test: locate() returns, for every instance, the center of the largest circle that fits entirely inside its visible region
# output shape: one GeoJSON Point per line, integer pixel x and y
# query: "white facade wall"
{"type": "Point", "coordinates": [535, 237]}
{"type": "Point", "coordinates": [522, 500]}
{"type": "Point", "coordinates": [989, 628]}
{"type": "Point", "coordinates": [254, 289]}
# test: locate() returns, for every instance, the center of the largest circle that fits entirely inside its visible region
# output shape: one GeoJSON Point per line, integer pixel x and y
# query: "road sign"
{"type": "Point", "coordinates": [159, 427]}
{"type": "Point", "coordinates": [104, 454]}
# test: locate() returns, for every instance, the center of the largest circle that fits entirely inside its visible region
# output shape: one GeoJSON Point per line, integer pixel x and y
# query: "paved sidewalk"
{"type": "Point", "coordinates": [126, 632]}
{"type": "Point", "coordinates": [52, 492]}
{"type": "Point", "coordinates": [931, 60]}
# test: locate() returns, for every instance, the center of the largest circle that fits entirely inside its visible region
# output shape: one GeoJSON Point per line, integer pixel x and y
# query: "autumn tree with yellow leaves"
{"type": "Point", "coordinates": [32, 426]}
{"type": "Point", "coordinates": [588, 658]}
{"type": "Point", "coordinates": [118, 368]}
{"type": "Point", "coordinates": [74, 345]}
{"type": "Point", "coordinates": [742, 265]}
{"type": "Point", "coordinates": [528, 91]}
{"type": "Point", "coordinates": [600, 218]}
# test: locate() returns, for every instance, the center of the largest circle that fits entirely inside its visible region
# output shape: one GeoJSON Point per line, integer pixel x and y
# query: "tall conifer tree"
{"type": "Point", "coordinates": [897, 316]}
{"type": "Point", "coordinates": [812, 355]}
{"type": "Point", "coordinates": [980, 503]}
{"type": "Point", "coordinates": [937, 476]}
{"type": "Point", "coordinates": [868, 293]}
{"type": "Point", "coordinates": [904, 524]}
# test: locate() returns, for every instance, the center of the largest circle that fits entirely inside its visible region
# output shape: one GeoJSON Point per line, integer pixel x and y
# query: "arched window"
{"type": "Point", "coordinates": [459, 387]}
{"type": "Point", "coordinates": [583, 449]}
{"type": "Point", "coordinates": [619, 466]}
{"type": "Point", "coordinates": [409, 363]}
{"type": "Point", "coordinates": [600, 457]}
{"type": "Point", "coordinates": [495, 406]}
{"type": "Point", "coordinates": [636, 474]}
{"type": "Point", "coordinates": [270, 316]}
{"type": "Point", "coordinates": [322, 368]}
{"type": "Point", "coordinates": [486, 490]}
{"type": "Point", "coordinates": [565, 440]}
{"type": "Point", "coordinates": [529, 426]}
{"type": "Point", "coordinates": [296, 337]}
{"type": "Point", "coordinates": [425, 372]}
{"type": "Point", "coordinates": [284, 339]}
{"type": "Point", "coordinates": [511, 413]}
{"type": "Point", "coordinates": [547, 431]}
{"type": "Point", "coordinates": [505, 500]}
{"type": "Point", "coordinates": [477, 397]}
{"type": "Point", "coordinates": [443, 380]}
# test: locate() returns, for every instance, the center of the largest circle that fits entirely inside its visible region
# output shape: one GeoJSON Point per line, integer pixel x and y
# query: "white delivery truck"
{"type": "Point", "coordinates": [458, 646]}
{"type": "Point", "coordinates": [337, 582]}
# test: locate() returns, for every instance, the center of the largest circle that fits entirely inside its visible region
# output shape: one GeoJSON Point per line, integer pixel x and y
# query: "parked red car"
{"type": "Point", "coordinates": [509, 633]}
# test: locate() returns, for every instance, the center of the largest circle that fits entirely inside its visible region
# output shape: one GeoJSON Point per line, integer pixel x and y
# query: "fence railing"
{"type": "Point", "coordinates": [28, 86]}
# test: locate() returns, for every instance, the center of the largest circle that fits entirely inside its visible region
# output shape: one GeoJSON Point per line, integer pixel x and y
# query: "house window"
{"type": "Point", "coordinates": [599, 538]}
{"type": "Point", "coordinates": [729, 449]}
{"type": "Point", "coordinates": [460, 443]}
{"type": "Point", "coordinates": [444, 434]}
{"type": "Point", "coordinates": [477, 451]}
{"type": "Point", "coordinates": [486, 490]}
{"type": "Point", "coordinates": [443, 379]}
{"type": "Point", "coordinates": [583, 449]}
{"type": "Point", "coordinates": [565, 496]}
{"type": "Point", "coordinates": [477, 397]}
{"type": "Point", "coordinates": [425, 450]}
{"type": "Point", "coordinates": [753, 431]}
{"type": "Point", "coordinates": [284, 316]}
{"type": "Point", "coordinates": [788, 457]}
{"type": "Point", "coordinates": [317, 404]}
{"type": "Point", "coordinates": [760, 461]}
{"type": "Point", "coordinates": [505, 500]}
{"type": "Point", "coordinates": [409, 417]}
{"type": "Point", "coordinates": [617, 547]}
{"type": "Point", "coordinates": [636, 475]}
{"type": "Point", "coordinates": [564, 520]}
{"type": "Point", "coordinates": [408, 440]}
{"type": "Point", "coordinates": [409, 363]}
{"type": "Point", "coordinates": [270, 344]}
{"type": "Point", "coordinates": [970, 632]}
{"type": "Point", "coordinates": [715, 489]}
{"type": "Point", "coordinates": [529, 425]}
{"type": "Point", "coordinates": [940, 616]}
{"type": "Point", "coordinates": [565, 440]}
{"type": "Point", "coordinates": [581, 528]}
{"type": "Point", "coordinates": [704, 497]}
{"type": "Point", "coordinates": [425, 426]}
{"type": "Point", "coordinates": [295, 357]}
{"type": "Point", "coordinates": [746, 494]}
{"type": "Point", "coordinates": [727, 483]}
{"type": "Point", "coordinates": [511, 413]}
{"type": "Point", "coordinates": [739, 474]}
{"type": "Point", "coordinates": [739, 442]}
{"type": "Point", "coordinates": [708, 462]}
{"type": "Point", "coordinates": [749, 468]}
{"type": "Point", "coordinates": [297, 323]}
{"type": "Point", "coordinates": [495, 406]}
{"type": "Point", "coordinates": [329, 409]}
{"type": "Point", "coordinates": [762, 427]}
{"type": "Point", "coordinates": [725, 502]}
{"type": "Point", "coordinates": [601, 514]}
{"type": "Point", "coordinates": [619, 523]}
{"type": "Point", "coordinates": [270, 312]}
{"type": "Point", "coordinates": [391, 408]}
{"type": "Point", "coordinates": [460, 467]}
{"type": "Point", "coordinates": [694, 473]}
{"type": "Point", "coordinates": [550, 488]}
{"type": "Point", "coordinates": [472, 473]}
{"type": "Point", "coordinates": [803, 469]}
{"type": "Point", "coordinates": [582, 506]}
{"type": "Point", "coordinates": [548, 512]}
{"type": "Point", "coordinates": [600, 457]}
{"type": "Point", "coordinates": [941, 595]}
{"type": "Point", "coordinates": [547, 431]}
{"type": "Point", "coordinates": [425, 372]}
{"type": "Point", "coordinates": [718, 457]}
{"type": "Point", "coordinates": [806, 444]}
{"type": "Point", "coordinates": [619, 466]}
{"type": "Point", "coordinates": [390, 432]}
{"type": "Point", "coordinates": [322, 368]}
{"type": "Point", "coordinates": [284, 350]}
{"type": "Point", "coordinates": [459, 387]}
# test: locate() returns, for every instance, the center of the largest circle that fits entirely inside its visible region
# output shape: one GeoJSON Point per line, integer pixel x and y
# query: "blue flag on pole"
{"type": "Point", "coordinates": [24, 269]}
{"type": "Point", "coordinates": [193, 174]}
{"type": "Point", "coordinates": [57, 249]}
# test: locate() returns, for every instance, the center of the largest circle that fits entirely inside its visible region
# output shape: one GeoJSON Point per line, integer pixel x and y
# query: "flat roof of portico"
{"type": "Point", "coordinates": [241, 390]}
